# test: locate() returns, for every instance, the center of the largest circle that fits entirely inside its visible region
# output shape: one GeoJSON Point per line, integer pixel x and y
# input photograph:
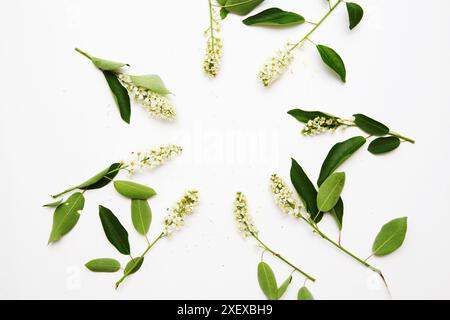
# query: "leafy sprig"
{"type": "Point", "coordinates": [266, 277]}
{"type": "Point", "coordinates": [317, 122]}
{"type": "Point", "coordinates": [149, 90]}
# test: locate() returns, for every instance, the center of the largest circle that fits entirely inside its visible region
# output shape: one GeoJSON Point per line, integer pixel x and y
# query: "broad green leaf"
{"type": "Point", "coordinates": [134, 265]}
{"type": "Point", "coordinates": [103, 265]}
{"type": "Point", "coordinates": [222, 2]}
{"type": "Point", "coordinates": [267, 281]}
{"type": "Point", "coordinates": [304, 294]}
{"type": "Point", "coordinates": [282, 289]}
{"type": "Point", "coordinates": [338, 213]}
{"type": "Point", "coordinates": [134, 190]}
{"type": "Point", "coordinates": [120, 95]}
{"type": "Point", "coordinates": [330, 191]}
{"type": "Point", "coordinates": [370, 125]}
{"type": "Point", "coordinates": [274, 17]}
{"type": "Point", "coordinates": [355, 14]}
{"type": "Point", "coordinates": [306, 190]}
{"type": "Point", "coordinates": [53, 204]}
{"type": "Point", "coordinates": [102, 178]}
{"type": "Point", "coordinates": [333, 60]}
{"type": "Point", "coordinates": [66, 216]}
{"type": "Point", "coordinates": [151, 82]}
{"type": "Point", "coordinates": [384, 145]}
{"type": "Point", "coordinates": [141, 214]}
{"type": "Point", "coordinates": [304, 116]}
{"type": "Point", "coordinates": [224, 13]}
{"type": "Point", "coordinates": [103, 64]}
{"type": "Point", "coordinates": [337, 155]}
{"type": "Point", "coordinates": [390, 237]}
{"type": "Point", "coordinates": [242, 7]}
{"type": "Point", "coordinates": [114, 230]}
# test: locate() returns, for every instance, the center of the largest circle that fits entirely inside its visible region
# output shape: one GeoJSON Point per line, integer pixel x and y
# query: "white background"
{"type": "Point", "coordinates": [59, 125]}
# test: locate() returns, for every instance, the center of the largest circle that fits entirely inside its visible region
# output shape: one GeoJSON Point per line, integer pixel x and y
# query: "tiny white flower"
{"type": "Point", "coordinates": [175, 218]}
{"type": "Point", "coordinates": [242, 216]}
{"type": "Point", "coordinates": [152, 158]}
{"type": "Point", "coordinates": [277, 65]}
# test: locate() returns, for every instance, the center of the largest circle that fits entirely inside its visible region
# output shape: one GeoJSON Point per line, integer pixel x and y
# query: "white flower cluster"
{"type": "Point", "coordinates": [320, 125]}
{"type": "Point", "coordinates": [152, 158]}
{"type": "Point", "coordinates": [284, 197]}
{"type": "Point", "coordinates": [213, 55]}
{"type": "Point", "coordinates": [276, 66]}
{"type": "Point", "coordinates": [243, 218]}
{"type": "Point", "coordinates": [158, 105]}
{"type": "Point", "coordinates": [175, 218]}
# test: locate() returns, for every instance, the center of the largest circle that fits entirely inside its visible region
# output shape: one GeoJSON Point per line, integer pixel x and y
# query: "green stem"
{"type": "Point", "coordinates": [211, 24]}
{"type": "Point", "coordinates": [395, 134]}
{"type": "Point", "coordinates": [316, 26]}
{"type": "Point", "coordinates": [127, 273]}
{"type": "Point", "coordinates": [83, 53]}
{"type": "Point", "coordinates": [281, 258]}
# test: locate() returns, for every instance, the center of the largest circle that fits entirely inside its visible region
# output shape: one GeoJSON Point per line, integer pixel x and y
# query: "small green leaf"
{"type": "Point", "coordinates": [337, 155]}
{"type": "Point", "coordinates": [274, 17]}
{"type": "Point", "coordinates": [151, 82]}
{"type": "Point", "coordinates": [384, 145]}
{"type": "Point", "coordinates": [338, 213]}
{"type": "Point", "coordinates": [102, 178]}
{"type": "Point", "coordinates": [355, 14]}
{"type": "Point", "coordinates": [330, 191]}
{"type": "Point", "coordinates": [103, 265]}
{"type": "Point", "coordinates": [53, 204]}
{"type": "Point", "coordinates": [267, 281]}
{"type": "Point", "coordinates": [103, 64]}
{"type": "Point", "coordinates": [305, 116]}
{"type": "Point", "coordinates": [390, 237]}
{"type": "Point", "coordinates": [134, 265]}
{"type": "Point", "coordinates": [141, 214]}
{"type": "Point", "coordinates": [120, 95]}
{"type": "Point", "coordinates": [304, 294]}
{"type": "Point", "coordinates": [306, 190]}
{"type": "Point", "coordinates": [333, 60]}
{"type": "Point", "coordinates": [242, 7]}
{"type": "Point", "coordinates": [114, 230]}
{"type": "Point", "coordinates": [224, 13]}
{"type": "Point", "coordinates": [66, 216]}
{"type": "Point", "coordinates": [282, 289]}
{"type": "Point", "coordinates": [370, 125]}
{"type": "Point", "coordinates": [134, 190]}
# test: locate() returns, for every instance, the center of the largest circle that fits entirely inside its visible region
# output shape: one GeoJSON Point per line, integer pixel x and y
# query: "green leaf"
{"type": "Point", "coordinates": [305, 116]}
{"type": "Point", "coordinates": [304, 294]}
{"type": "Point", "coordinates": [53, 204]}
{"type": "Point", "coordinates": [390, 237]}
{"type": "Point", "coordinates": [337, 155]}
{"type": "Point", "coordinates": [355, 14]}
{"type": "Point", "coordinates": [102, 178]}
{"type": "Point", "coordinates": [306, 190]}
{"type": "Point", "coordinates": [224, 13]}
{"type": "Point", "coordinates": [274, 17]}
{"type": "Point", "coordinates": [242, 7]}
{"type": "Point", "coordinates": [103, 64]}
{"type": "Point", "coordinates": [330, 191]}
{"type": "Point", "coordinates": [370, 125]}
{"type": "Point", "coordinates": [282, 289]}
{"type": "Point", "coordinates": [134, 265]}
{"type": "Point", "coordinates": [103, 265]}
{"type": "Point", "coordinates": [134, 190]}
{"type": "Point", "coordinates": [267, 281]}
{"type": "Point", "coordinates": [114, 230]}
{"type": "Point", "coordinates": [384, 145]}
{"type": "Point", "coordinates": [141, 214]}
{"type": "Point", "coordinates": [120, 95]}
{"type": "Point", "coordinates": [338, 213]}
{"type": "Point", "coordinates": [66, 216]}
{"type": "Point", "coordinates": [333, 60]}
{"type": "Point", "coordinates": [151, 82]}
